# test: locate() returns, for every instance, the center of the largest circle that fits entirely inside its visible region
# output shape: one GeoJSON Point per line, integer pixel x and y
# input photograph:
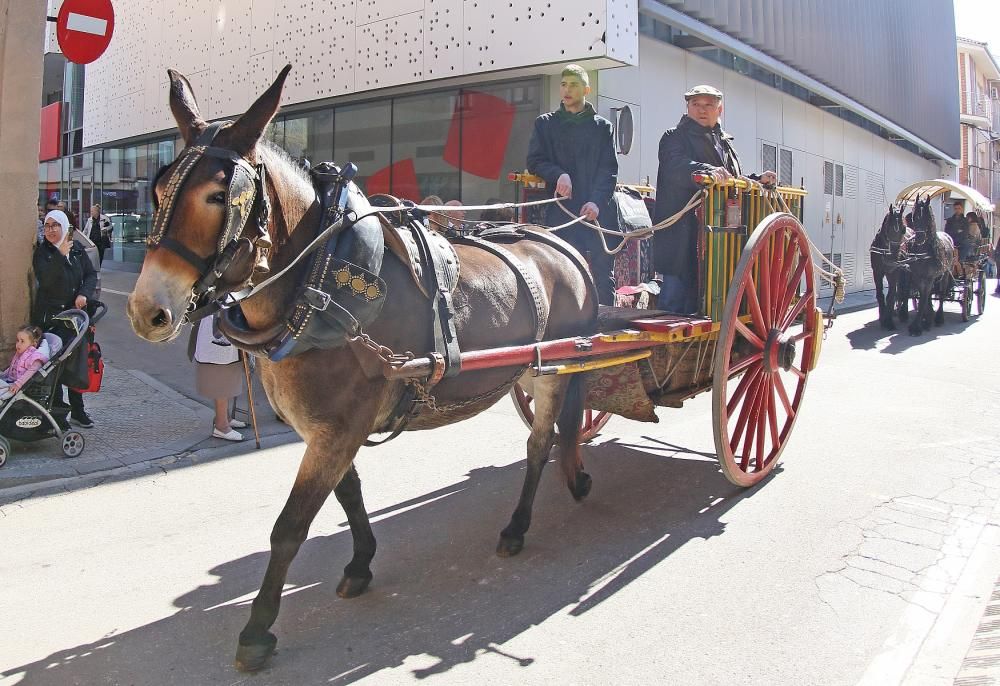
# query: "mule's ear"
{"type": "Point", "coordinates": [247, 130]}
{"type": "Point", "coordinates": [184, 107]}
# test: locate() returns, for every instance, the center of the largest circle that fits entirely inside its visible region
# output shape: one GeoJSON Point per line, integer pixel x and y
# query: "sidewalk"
{"type": "Point", "coordinates": [146, 410]}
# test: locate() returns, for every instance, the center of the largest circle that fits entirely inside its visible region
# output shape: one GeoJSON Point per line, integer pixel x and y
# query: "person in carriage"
{"type": "Point", "coordinates": [957, 226]}
{"type": "Point", "coordinates": [573, 149]}
{"type": "Point", "coordinates": [698, 144]}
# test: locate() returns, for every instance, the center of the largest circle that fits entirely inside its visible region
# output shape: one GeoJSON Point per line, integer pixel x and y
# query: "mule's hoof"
{"type": "Point", "coordinates": [254, 657]}
{"type": "Point", "coordinates": [890, 326]}
{"type": "Point", "coordinates": [939, 320]}
{"type": "Point", "coordinates": [352, 586]}
{"type": "Point", "coordinates": [582, 486]}
{"type": "Point", "coordinates": [510, 546]}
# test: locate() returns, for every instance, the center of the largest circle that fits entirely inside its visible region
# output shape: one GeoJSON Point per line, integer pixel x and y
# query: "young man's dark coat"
{"type": "Point", "coordinates": [684, 150]}
{"type": "Point", "coordinates": [581, 145]}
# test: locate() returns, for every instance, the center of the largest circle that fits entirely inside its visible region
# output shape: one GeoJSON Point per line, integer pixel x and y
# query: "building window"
{"type": "Point", "coordinates": [362, 134]}
{"type": "Point", "coordinates": [422, 127]}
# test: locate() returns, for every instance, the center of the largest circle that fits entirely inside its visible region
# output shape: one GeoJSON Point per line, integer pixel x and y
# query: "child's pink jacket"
{"type": "Point", "coordinates": [23, 366]}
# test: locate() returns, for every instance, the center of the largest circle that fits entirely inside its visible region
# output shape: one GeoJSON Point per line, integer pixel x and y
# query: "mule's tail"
{"type": "Point", "coordinates": [568, 423]}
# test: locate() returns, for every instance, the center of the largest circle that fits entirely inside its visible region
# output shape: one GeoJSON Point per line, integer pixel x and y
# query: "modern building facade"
{"type": "Point", "coordinates": [979, 100]}
{"type": "Point", "coordinates": [438, 96]}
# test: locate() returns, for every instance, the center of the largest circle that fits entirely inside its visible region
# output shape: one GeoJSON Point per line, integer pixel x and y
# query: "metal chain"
{"type": "Point", "coordinates": [382, 352]}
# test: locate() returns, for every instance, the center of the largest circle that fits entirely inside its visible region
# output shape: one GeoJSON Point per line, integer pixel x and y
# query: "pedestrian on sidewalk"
{"type": "Point", "coordinates": [218, 374]}
{"type": "Point", "coordinates": [98, 229]}
{"type": "Point", "coordinates": [66, 280]}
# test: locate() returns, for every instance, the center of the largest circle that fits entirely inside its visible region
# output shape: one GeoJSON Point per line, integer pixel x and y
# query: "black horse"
{"type": "Point", "coordinates": [928, 255]}
{"type": "Point", "coordinates": [884, 253]}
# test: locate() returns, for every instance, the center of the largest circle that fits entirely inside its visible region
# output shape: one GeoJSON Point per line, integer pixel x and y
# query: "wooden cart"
{"type": "Point", "coordinates": [753, 343]}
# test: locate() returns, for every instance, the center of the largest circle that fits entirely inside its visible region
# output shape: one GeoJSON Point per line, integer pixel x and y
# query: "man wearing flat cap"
{"type": "Point", "coordinates": [696, 145]}
{"type": "Point", "coordinates": [573, 150]}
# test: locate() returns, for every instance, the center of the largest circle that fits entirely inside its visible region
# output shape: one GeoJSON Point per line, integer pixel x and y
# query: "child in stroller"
{"type": "Point", "coordinates": [26, 410]}
{"type": "Point", "coordinates": [27, 360]}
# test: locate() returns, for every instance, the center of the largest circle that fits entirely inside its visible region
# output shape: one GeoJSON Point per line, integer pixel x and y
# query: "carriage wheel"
{"type": "Point", "coordinates": [4, 450]}
{"type": "Point", "coordinates": [966, 300]}
{"type": "Point", "coordinates": [72, 443]}
{"type": "Point", "coordinates": [593, 421]}
{"type": "Point", "coordinates": [768, 343]}
{"type": "Point", "coordinates": [981, 292]}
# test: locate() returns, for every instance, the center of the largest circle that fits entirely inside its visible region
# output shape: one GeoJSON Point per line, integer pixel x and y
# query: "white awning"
{"type": "Point", "coordinates": [938, 187]}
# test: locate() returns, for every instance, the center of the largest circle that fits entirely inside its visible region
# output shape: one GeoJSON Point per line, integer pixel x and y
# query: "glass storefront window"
{"type": "Point", "coordinates": [424, 129]}
{"type": "Point", "coordinates": [361, 136]}
{"type": "Point", "coordinates": [497, 122]}
{"type": "Point", "coordinates": [310, 137]}
{"type": "Point", "coordinates": [457, 144]}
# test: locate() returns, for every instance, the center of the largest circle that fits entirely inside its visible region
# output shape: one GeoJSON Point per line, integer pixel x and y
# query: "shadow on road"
{"type": "Point", "coordinates": [900, 340]}
{"type": "Point", "coordinates": [440, 597]}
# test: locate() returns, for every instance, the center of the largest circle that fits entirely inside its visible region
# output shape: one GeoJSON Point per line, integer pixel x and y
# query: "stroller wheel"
{"type": "Point", "coordinates": [4, 450]}
{"type": "Point", "coordinates": [72, 443]}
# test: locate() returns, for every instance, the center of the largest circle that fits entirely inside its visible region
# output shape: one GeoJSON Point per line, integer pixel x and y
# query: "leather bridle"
{"type": "Point", "coordinates": [243, 242]}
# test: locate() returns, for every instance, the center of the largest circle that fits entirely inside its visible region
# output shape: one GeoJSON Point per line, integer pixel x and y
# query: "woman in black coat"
{"type": "Point", "coordinates": [66, 280]}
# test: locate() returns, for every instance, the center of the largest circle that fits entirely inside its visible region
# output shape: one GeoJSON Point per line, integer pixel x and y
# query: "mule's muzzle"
{"type": "Point", "coordinates": [152, 320]}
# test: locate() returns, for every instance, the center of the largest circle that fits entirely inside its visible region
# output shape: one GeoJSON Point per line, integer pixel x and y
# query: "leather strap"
{"type": "Point", "coordinates": [442, 306]}
{"type": "Point", "coordinates": [541, 310]}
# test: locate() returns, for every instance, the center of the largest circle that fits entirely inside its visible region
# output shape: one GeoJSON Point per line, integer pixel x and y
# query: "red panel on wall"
{"type": "Point", "coordinates": [479, 133]}
{"type": "Point", "coordinates": [403, 178]}
{"type": "Point", "coordinates": [48, 142]}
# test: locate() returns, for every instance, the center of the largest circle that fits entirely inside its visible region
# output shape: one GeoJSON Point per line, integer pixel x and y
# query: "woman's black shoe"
{"type": "Point", "coordinates": [82, 420]}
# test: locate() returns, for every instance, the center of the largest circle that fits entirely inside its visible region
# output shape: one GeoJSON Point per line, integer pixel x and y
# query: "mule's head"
{"type": "Point", "coordinates": [194, 208]}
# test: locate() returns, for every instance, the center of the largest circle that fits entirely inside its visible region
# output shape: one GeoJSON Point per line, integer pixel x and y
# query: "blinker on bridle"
{"type": "Point", "coordinates": [246, 197]}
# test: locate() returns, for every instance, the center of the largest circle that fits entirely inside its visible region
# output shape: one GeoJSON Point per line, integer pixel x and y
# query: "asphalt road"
{"type": "Point", "coordinates": [867, 557]}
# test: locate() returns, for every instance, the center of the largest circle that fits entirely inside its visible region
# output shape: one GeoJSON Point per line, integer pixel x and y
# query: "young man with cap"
{"type": "Point", "coordinates": [696, 145]}
{"type": "Point", "coordinates": [573, 149]}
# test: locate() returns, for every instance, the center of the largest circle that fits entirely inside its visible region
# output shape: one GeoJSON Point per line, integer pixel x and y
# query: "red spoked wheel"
{"type": "Point", "coordinates": [768, 343]}
{"type": "Point", "coordinates": [590, 427]}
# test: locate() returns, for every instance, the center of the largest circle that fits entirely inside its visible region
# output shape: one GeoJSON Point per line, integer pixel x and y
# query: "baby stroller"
{"type": "Point", "coordinates": [28, 415]}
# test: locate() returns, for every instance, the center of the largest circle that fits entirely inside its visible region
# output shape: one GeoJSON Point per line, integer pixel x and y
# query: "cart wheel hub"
{"type": "Point", "coordinates": [779, 352]}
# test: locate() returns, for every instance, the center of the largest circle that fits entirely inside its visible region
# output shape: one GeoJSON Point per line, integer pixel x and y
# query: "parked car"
{"type": "Point", "coordinates": [127, 228]}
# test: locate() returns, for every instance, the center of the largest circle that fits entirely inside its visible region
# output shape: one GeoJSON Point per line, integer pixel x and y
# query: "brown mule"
{"type": "Point", "coordinates": [325, 394]}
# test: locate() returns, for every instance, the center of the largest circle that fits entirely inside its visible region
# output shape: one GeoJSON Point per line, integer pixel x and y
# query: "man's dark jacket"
{"type": "Point", "coordinates": [582, 146]}
{"type": "Point", "coordinates": [60, 280]}
{"type": "Point", "coordinates": [684, 150]}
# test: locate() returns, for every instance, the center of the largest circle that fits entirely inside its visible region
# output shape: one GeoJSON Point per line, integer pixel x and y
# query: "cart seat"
{"type": "Point", "coordinates": [610, 318]}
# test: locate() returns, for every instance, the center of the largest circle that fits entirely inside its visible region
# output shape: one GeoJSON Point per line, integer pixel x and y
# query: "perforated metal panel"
{"type": "Point", "coordinates": [336, 47]}
{"type": "Point", "coordinates": [500, 35]}
{"type": "Point", "coordinates": [622, 33]}
{"type": "Point", "coordinates": [390, 52]}
{"type": "Point", "coordinates": [317, 37]}
{"type": "Point", "coordinates": [376, 10]}
{"type": "Point", "coordinates": [443, 38]}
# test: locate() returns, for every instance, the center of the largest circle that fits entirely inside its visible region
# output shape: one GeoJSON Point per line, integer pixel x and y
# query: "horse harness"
{"type": "Point", "coordinates": [342, 292]}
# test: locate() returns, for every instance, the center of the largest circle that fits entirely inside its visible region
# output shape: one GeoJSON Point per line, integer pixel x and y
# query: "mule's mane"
{"type": "Point", "coordinates": [280, 165]}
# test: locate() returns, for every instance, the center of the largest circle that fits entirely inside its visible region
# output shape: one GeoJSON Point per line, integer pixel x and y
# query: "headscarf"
{"type": "Point", "coordinates": [63, 220]}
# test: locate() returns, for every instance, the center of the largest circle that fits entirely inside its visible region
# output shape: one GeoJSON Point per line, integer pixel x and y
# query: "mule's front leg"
{"type": "Point", "coordinates": [318, 475]}
{"type": "Point", "coordinates": [548, 392]}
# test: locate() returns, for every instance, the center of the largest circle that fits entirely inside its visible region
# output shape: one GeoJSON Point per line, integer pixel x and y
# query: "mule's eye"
{"type": "Point", "coordinates": [218, 198]}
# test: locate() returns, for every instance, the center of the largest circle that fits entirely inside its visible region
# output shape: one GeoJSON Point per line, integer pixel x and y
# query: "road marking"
{"type": "Point", "coordinates": [108, 290]}
{"type": "Point", "coordinates": [86, 24]}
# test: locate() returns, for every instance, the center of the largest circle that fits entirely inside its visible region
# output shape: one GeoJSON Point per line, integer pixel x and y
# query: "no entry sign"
{"type": "Point", "coordinates": [84, 28]}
